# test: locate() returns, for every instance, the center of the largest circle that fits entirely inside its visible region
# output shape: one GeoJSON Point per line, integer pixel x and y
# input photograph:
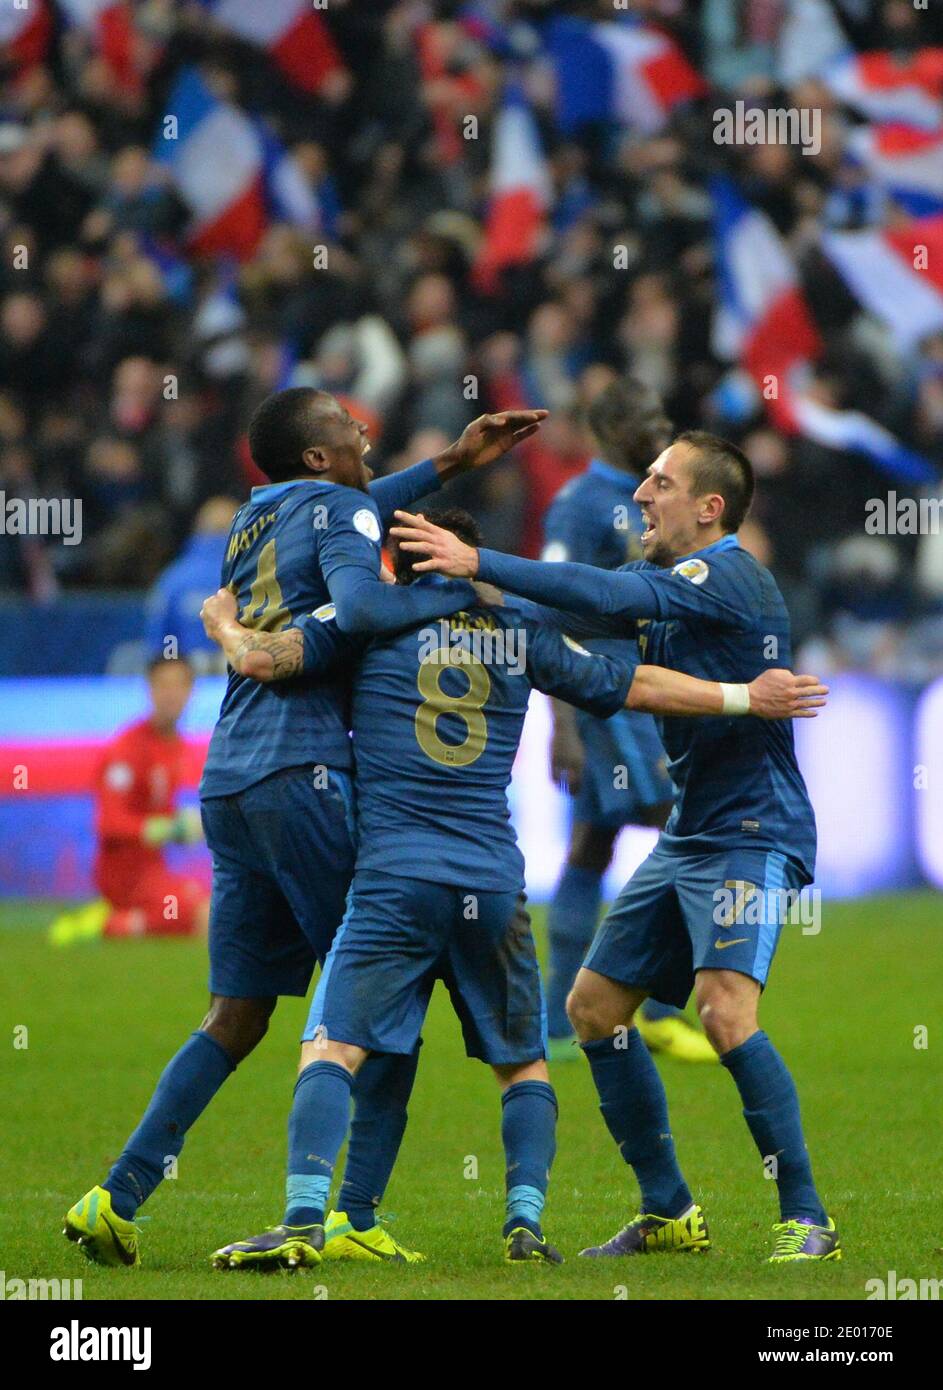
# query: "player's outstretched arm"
{"type": "Point", "coordinates": [566, 585]}
{"type": "Point", "coordinates": [776, 694]}
{"type": "Point", "coordinates": [486, 439]}
{"type": "Point", "coordinates": [262, 656]}
{"type": "Point", "coordinates": [480, 443]}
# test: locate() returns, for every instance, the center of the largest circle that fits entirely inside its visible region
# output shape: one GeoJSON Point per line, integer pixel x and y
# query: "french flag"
{"type": "Point", "coordinates": [520, 192]}
{"type": "Point", "coordinates": [110, 24]}
{"type": "Point", "coordinates": [887, 89]}
{"type": "Point", "coordinates": [218, 165]}
{"type": "Point", "coordinates": [296, 36]}
{"type": "Point", "coordinates": [904, 161]}
{"type": "Point", "coordinates": [290, 195]}
{"type": "Point", "coordinates": [25, 34]}
{"type": "Point", "coordinates": [630, 73]}
{"type": "Point", "coordinates": [878, 267]}
{"type": "Point", "coordinates": [763, 322]}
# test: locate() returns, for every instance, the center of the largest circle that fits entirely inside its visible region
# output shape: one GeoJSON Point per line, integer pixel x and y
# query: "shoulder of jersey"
{"type": "Point", "coordinates": [346, 502]}
{"type": "Point", "coordinates": [694, 569]}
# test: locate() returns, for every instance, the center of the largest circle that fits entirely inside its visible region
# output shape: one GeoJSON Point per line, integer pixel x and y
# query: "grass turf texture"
{"type": "Point", "coordinates": [842, 1007]}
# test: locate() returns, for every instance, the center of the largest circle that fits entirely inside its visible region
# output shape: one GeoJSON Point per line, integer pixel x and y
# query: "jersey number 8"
{"type": "Point", "coordinates": [468, 707]}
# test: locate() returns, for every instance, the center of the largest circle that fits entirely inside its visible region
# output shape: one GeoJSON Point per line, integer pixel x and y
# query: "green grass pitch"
{"type": "Point", "coordinates": [843, 1007]}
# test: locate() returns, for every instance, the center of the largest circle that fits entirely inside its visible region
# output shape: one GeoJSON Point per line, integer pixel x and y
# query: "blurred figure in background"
{"type": "Point", "coordinates": [173, 605]}
{"type": "Point", "coordinates": [137, 786]}
{"type": "Point", "coordinates": [614, 769]}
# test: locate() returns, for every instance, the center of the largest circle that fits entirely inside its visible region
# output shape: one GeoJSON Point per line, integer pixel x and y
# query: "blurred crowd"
{"type": "Point", "coordinates": [129, 365]}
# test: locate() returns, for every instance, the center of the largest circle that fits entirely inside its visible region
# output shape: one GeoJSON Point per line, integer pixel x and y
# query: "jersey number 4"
{"type": "Point", "coordinates": [265, 611]}
{"type": "Point", "coordinates": [468, 708]}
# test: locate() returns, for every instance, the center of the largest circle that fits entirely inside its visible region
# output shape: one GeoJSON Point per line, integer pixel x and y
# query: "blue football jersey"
{"type": "Point", "coordinates": [437, 718]}
{"type": "Point", "coordinates": [719, 615]}
{"type": "Point", "coordinates": [594, 521]}
{"type": "Point", "coordinates": [293, 547]}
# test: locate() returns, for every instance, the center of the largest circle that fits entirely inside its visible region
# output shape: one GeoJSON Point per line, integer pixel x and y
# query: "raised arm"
{"type": "Point", "coordinates": [481, 442]}
{"type": "Point", "coordinates": [618, 596]}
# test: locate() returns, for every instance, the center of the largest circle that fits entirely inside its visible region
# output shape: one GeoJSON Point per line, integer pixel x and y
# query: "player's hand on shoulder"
{"type": "Point", "coordinates": [778, 694]}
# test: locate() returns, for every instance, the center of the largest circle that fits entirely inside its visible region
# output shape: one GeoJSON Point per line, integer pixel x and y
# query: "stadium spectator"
{"type": "Point", "coordinates": [368, 255]}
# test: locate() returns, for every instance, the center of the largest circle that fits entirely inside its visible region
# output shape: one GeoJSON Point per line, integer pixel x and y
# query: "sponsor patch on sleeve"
{"type": "Point", "coordinates": [325, 613]}
{"type": "Point", "coordinates": [695, 570]}
{"type": "Point", "coordinates": [575, 646]}
{"type": "Point", "coordinates": [366, 523]}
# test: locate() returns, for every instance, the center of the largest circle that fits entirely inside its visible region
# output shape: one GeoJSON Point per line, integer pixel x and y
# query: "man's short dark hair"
{"type": "Point", "coordinates": [454, 519]}
{"type": "Point", "coordinates": [157, 662]}
{"type": "Point", "coordinates": [282, 427]}
{"type": "Point", "coordinates": [719, 466]}
{"type": "Point", "coordinates": [629, 423]}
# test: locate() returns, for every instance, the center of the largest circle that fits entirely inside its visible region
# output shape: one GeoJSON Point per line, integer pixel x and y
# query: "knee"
{"type": "Point", "coordinates": [238, 1025]}
{"type": "Point", "coordinates": [589, 1016]}
{"type": "Point", "coordinates": [728, 1022]}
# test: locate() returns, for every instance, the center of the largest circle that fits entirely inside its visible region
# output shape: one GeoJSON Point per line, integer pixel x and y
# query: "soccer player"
{"type": "Point", "coordinates": [594, 519]}
{"type": "Point", "coordinates": [137, 785]}
{"type": "Point", "coordinates": [705, 910]}
{"type": "Point", "coordinates": [276, 789]}
{"type": "Point", "coordinates": [438, 888]}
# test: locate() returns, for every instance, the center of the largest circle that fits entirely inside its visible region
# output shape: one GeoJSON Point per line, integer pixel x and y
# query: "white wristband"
{"type": "Point", "coordinates": [736, 698]}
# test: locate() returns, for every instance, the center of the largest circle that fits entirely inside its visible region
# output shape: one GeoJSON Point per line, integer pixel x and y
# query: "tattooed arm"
{"type": "Point", "coordinates": [262, 656]}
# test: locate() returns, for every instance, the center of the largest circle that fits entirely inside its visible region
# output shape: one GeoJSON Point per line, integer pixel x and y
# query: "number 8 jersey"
{"type": "Point", "coordinates": [437, 717]}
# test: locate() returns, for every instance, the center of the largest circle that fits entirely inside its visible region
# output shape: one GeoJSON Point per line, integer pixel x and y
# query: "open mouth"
{"type": "Point", "coordinates": [649, 533]}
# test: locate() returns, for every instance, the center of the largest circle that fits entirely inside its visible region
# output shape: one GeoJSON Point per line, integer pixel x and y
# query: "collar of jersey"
{"type": "Point", "coordinates": [266, 492]}
{"type": "Point", "coordinates": [728, 542]}
{"type": "Point", "coordinates": [605, 470]}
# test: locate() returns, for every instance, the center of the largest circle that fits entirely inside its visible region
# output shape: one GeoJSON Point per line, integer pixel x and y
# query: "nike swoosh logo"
{"type": "Point", "coordinates": [722, 945]}
{"type": "Point", "coordinates": [126, 1255]}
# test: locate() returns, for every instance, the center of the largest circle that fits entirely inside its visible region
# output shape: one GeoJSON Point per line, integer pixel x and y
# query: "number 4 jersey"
{"type": "Point", "coordinates": [437, 718]}
{"type": "Point", "coordinates": [293, 547]}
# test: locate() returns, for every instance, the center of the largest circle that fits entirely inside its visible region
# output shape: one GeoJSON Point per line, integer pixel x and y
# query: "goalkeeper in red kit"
{"type": "Point", "coordinates": [137, 784]}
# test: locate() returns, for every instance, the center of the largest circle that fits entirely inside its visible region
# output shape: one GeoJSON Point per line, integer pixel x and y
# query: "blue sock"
{"type": "Point", "coordinates": [635, 1108]}
{"type": "Point", "coordinates": [528, 1131]}
{"type": "Point", "coordinates": [187, 1085]}
{"type": "Point", "coordinates": [571, 924]}
{"type": "Point", "coordinates": [381, 1095]}
{"type": "Point", "coordinates": [655, 1012]}
{"type": "Point", "coordinates": [771, 1110]}
{"type": "Point", "coordinates": [317, 1128]}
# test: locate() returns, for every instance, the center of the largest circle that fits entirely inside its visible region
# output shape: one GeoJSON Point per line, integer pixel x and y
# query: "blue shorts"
{"type": "Point", "coordinates": [283, 857]}
{"type": "Point", "coordinates": [682, 913]}
{"type": "Point", "coordinates": [624, 773]}
{"type": "Point", "coordinates": [398, 937]}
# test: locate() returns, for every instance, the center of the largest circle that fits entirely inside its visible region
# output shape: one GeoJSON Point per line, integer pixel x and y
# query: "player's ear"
{"type": "Point", "coordinates": [712, 507]}
{"type": "Point", "coordinates": [315, 460]}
